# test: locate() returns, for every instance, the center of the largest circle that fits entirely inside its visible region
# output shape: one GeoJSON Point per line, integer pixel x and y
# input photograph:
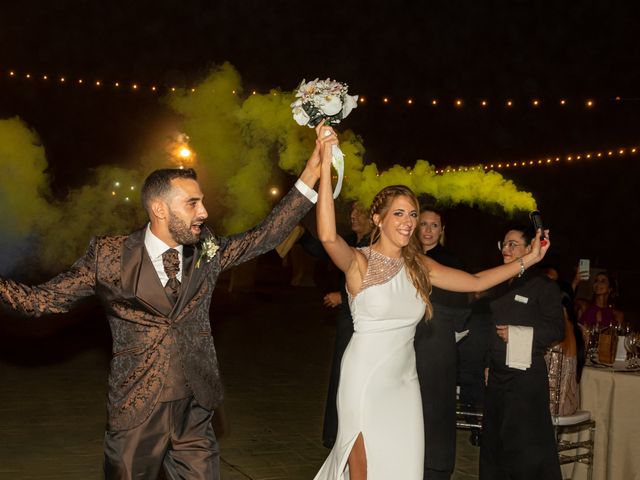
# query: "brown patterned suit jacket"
{"type": "Point", "coordinates": [143, 322]}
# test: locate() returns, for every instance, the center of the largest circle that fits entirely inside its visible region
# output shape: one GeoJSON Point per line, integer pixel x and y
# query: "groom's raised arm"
{"type": "Point", "coordinates": [58, 295]}
{"type": "Point", "coordinates": [275, 228]}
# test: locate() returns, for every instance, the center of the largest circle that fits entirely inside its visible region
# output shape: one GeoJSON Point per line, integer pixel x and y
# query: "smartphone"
{"type": "Point", "coordinates": [536, 221]}
{"type": "Point", "coordinates": [584, 267]}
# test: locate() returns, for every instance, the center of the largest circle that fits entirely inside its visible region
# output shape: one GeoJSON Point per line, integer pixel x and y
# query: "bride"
{"type": "Point", "coordinates": [380, 428]}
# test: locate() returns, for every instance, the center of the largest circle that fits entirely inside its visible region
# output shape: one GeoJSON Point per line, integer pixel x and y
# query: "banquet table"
{"type": "Point", "coordinates": [613, 398]}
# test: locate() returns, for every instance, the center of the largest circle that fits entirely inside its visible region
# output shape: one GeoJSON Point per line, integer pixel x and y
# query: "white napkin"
{"type": "Point", "coordinates": [461, 335]}
{"type": "Point", "coordinates": [519, 347]}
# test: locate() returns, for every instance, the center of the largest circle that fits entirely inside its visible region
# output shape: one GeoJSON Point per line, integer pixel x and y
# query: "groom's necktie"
{"type": "Point", "coordinates": [171, 263]}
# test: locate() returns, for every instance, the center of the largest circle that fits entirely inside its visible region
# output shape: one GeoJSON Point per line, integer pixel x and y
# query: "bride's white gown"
{"type": "Point", "coordinates": [379, 393]}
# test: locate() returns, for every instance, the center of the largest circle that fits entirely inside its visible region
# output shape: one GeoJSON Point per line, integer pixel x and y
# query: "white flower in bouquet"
{"type": "Point", "coordinates": [329, 105]}
{"type": "Point", "coordinates": [350, 102]}
{"type": "Point", "coordinates": [299, 115]}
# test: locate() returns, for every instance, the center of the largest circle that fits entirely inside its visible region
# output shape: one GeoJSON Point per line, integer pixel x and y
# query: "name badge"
{"type": "Point", "coordinates": [521, 299]}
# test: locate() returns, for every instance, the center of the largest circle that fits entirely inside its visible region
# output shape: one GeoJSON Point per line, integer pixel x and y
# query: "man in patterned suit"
{"type": "Point", "coordinates": [155, 286]}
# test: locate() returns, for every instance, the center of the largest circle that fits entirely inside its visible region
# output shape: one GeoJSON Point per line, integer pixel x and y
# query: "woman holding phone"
{"type": "Point", "coordinates": [518, 440]}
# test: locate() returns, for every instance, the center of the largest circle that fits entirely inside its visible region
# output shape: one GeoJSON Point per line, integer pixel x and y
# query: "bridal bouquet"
{"type": "Point", "coordinates": [324, 100]}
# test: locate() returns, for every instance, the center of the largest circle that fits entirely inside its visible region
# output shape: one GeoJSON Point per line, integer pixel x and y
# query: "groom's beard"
{"type": "Point", "coordinates": [181, 231]}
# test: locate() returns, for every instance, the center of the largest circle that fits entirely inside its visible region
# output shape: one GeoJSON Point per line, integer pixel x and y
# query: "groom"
{"type": "Point", "coordinates": [155, 286]}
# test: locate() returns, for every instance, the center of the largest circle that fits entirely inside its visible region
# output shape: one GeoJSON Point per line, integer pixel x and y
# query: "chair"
{"type": "Point", "coordinates": [467, 418]}
{"type": "Point", "coordinates": [580, 451]}
{"type": "Point", "coordinates": [575, 449]}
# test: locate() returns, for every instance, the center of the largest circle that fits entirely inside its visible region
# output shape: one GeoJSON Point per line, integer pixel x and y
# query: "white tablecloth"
{"type": "Point", "coordinates": [613, 398]}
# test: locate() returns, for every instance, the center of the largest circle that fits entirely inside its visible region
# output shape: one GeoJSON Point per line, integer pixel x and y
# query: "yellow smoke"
{"type": "Point", "coordinates": [240, 142]}
{"type": "Point", "coordinates": [242, 146]}
{"type": "Point", "coordinates": [108, 204]}
{"type": "Point", "coordinates": [474, 187]}
{"type": "Point", "coordinates": [24, 191]}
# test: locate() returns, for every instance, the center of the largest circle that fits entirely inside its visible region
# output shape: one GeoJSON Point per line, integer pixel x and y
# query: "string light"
{"type": "Point", "coordinates": [122, 195]}
{"type": "Point", "coordinates": [458, 103]}
{"type": "Point", "coordinates": [570, 158]}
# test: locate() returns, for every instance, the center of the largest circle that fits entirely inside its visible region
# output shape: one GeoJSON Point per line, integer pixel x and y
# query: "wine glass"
{"type": "Point", "coordinates": [632, 346]}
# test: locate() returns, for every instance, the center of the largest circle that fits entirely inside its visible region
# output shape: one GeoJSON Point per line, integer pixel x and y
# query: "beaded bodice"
{"type": "Point", "coordinates": [381, 269]}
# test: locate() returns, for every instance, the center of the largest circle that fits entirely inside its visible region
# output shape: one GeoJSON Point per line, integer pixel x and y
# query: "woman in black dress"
{"type": "Point", "coordinates": [436, 354]}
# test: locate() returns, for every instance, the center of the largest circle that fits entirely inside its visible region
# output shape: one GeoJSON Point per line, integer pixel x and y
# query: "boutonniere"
{"type": "Point", "coordinates": [208, 250]}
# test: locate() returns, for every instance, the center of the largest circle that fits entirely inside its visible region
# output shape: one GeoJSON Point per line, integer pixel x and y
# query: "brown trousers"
{"type": "Point", "coordinates": [177, 436]}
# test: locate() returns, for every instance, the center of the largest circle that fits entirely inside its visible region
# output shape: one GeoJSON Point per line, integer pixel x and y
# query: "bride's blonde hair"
{"type": "Point", "coordinates": [412, 252]}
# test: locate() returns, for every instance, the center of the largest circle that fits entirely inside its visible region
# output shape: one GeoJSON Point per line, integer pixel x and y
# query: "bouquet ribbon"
{"type": "Point", "coordinates": [338, 164]}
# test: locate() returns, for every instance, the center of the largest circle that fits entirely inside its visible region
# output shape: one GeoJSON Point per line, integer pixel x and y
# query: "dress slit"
{"type": "Point", "coordinates": [364, 451]}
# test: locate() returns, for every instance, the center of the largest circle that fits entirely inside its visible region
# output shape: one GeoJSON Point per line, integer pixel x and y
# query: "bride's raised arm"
{"type": "Point", "coordinates": [455, 280]}
{"type": "Point", "coordinates": [342, 255]}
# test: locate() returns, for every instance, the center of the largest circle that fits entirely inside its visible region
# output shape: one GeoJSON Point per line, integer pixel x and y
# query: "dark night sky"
{"type": "Point", "coordinates": [423, 49]}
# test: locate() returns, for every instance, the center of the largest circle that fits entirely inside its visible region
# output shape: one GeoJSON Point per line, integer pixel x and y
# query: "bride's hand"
{"type": "Point", "coordinates": [539, 247]}
{"type": "Point", "coordinates": [326, 138]}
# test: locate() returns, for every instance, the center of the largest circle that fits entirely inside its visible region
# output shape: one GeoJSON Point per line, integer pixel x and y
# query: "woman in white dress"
{"type": "Point", "coordinates": [380, 428]}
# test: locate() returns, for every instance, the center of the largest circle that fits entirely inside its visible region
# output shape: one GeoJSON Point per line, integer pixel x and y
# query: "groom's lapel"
{"type": "Point", "coordinates": [139, 277]}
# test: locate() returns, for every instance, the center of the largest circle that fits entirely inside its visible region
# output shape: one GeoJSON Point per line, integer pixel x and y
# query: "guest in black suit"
{"type": "Point", "coordinates": [436, 354]}
{"type": "Point", "coordinates": [518, 440]}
